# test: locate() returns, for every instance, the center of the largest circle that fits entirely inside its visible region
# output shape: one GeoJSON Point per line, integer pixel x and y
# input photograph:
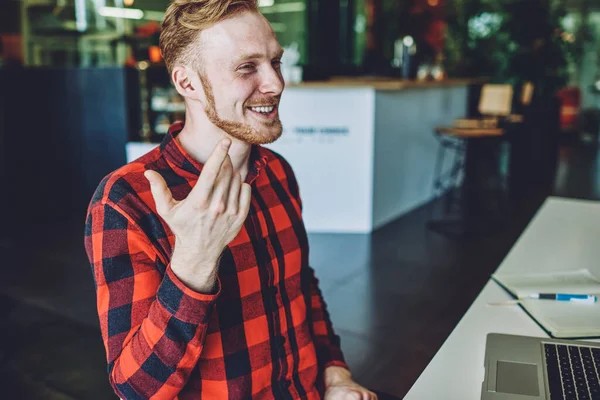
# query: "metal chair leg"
{"type": "Point", "coordinates": [438, 171]}
{"type": "Point", "coordinates": [457, 168]}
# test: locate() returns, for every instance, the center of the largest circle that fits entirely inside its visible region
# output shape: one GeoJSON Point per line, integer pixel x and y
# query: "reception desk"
{"type": "Point", "coordinates": [363, 150]}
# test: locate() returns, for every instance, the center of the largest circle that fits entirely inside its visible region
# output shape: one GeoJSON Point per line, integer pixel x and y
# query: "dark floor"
{"type": "Point", "coordinates": [394, 296]}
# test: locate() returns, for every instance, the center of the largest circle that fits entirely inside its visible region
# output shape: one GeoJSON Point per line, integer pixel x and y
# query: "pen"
{"type": "Point", "coordinates": [579, 298]}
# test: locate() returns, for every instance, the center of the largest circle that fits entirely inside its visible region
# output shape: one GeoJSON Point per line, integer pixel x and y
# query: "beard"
{"type": "Point", "coordinates": [238, 130]}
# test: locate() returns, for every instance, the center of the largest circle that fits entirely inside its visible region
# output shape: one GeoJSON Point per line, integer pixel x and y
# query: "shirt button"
{"type": "Point", "coordinates": [274, 290]}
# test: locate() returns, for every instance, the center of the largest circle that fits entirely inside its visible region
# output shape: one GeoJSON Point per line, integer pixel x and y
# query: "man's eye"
{"type": "Point", "coordinates": [276, 64]}
{"type": "Point", "coordinates": [247, 68]}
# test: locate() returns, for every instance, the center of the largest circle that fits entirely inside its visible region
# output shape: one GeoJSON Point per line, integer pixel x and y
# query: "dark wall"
{"type": "Point", "coordinates": [5, 223]}
{"type": "Point", "coordinates": [10, 16]}
{"type": "Point", "coordinates": [330, 40]}
{"type": "Point", "coordinates": [65, 129]}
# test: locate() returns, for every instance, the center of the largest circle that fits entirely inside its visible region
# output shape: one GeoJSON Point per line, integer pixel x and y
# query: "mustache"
{"type": "Point", "coordinates": [264, 101]}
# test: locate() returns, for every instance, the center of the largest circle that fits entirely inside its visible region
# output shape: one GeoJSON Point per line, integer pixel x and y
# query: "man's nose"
{"type": "Point", "coordinates": [272, 82]}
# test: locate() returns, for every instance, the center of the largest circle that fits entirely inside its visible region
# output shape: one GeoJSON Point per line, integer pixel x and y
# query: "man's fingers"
{"type": "Point", "coordinates": [220, 191]}
{"type": "Point", "coordinates": [202, 191]}
{"type": "Point", "coordinates": [160, 192]}
{"type": "Point", "coordinates": [234, 194]}
{"type": "Point", "coordinates": [369, 395]}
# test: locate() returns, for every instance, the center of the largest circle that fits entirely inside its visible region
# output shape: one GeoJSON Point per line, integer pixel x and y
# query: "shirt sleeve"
{"type": "Point", "coordinates": [153, 326]}
{"type": "Point", "coordinates": [327, 343]}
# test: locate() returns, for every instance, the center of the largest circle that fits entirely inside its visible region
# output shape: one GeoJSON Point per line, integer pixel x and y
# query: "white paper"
{"type": "Point", "coordinates": [570, 282]}
{"type": "Point", "coordinates": [561, 318]}
{"type": "Point", "coordinates": [565, 319]}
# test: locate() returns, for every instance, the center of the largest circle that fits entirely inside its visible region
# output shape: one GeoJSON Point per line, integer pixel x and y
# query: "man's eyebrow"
{"type": "Point", "coordinates": [249, 56]}
{"type": "Point", "coordinates": [253, 56]}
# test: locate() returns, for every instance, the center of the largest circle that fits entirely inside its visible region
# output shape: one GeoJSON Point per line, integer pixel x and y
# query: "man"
{"type": "Point", "coordinates": [198, 249]}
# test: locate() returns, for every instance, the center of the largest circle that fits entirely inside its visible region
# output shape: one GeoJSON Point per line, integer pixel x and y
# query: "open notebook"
{"type": "Point", "coordinates": [561, 319]}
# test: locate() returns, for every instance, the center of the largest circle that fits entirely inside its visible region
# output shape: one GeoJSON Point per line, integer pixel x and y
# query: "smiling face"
{"type": "Point", "coordinates": [241, 77]}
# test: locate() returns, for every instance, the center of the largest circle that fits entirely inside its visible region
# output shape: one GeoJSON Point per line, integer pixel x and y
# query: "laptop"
{"type": "Point", "coordinates": [528, 368]}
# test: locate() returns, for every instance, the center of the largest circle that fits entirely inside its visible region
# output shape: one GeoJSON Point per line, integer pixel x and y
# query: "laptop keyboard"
{"type": "Point", "coordinates": [573, 372]}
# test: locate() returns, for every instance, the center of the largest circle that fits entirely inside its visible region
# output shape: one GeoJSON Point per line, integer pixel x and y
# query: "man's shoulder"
{"type": "Point", "coordinates": [282, 170]}
{"type": "Point", "coordinates": [127, 183]}
{"type": "Point", "coordinates": [276, 161]}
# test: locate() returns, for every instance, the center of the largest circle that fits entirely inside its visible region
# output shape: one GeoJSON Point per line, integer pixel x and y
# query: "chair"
{"type": "Point", "coordinates": [570, 98]}
{"type": "Point", "coordinates": [527, 90]}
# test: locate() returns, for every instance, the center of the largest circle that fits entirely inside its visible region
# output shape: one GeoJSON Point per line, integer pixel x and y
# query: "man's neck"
{"type": "Point", "coordinates": [199, 138]}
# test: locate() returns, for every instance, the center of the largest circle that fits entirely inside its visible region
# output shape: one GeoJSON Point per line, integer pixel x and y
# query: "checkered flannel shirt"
{"type": "Point", "coordinates": [266, 332]}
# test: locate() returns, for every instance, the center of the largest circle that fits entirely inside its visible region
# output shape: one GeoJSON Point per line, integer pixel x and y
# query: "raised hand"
{"type": "Point", "coordinates": [206, 221]}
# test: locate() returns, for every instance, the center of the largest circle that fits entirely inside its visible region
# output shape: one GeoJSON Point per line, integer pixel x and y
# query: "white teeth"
{"type": "Point", "coordinates": [264, 110]}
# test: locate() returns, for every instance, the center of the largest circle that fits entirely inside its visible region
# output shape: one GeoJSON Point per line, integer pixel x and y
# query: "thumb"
{"type": "Point", "coordinates": [160, 192]}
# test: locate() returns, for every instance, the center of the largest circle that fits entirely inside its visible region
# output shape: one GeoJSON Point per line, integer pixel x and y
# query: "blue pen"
{"type": "Point", "coordinates": [579, 298]}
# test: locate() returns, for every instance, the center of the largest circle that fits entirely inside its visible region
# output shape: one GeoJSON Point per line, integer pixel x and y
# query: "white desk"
{"type": "Point", "coordinates": [565, 234]}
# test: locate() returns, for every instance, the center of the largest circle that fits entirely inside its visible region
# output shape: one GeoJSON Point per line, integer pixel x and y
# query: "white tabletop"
{"type": "Point", "coordinates": [565, 234]}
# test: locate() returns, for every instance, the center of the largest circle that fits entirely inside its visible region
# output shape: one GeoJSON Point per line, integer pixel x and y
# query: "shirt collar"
{"type": "Point", "coordinates": [181, 161]}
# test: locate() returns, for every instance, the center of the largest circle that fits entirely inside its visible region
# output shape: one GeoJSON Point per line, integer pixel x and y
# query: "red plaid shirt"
{"type": "Point", "coordinates": [265, 334]}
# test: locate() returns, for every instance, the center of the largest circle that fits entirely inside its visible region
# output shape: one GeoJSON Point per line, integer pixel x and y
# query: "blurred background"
{"type": "Point", "coordinates": [442, 126]}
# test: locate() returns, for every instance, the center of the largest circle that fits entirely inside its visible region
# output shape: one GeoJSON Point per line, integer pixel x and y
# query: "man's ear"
{"type": "Point", "coordinates": [187, 82]}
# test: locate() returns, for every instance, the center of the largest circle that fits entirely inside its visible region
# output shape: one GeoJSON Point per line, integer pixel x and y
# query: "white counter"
{"type": "Point", "coordinates": [363, 151]}
{"type": "Point", "coordinates": [364, 154]}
